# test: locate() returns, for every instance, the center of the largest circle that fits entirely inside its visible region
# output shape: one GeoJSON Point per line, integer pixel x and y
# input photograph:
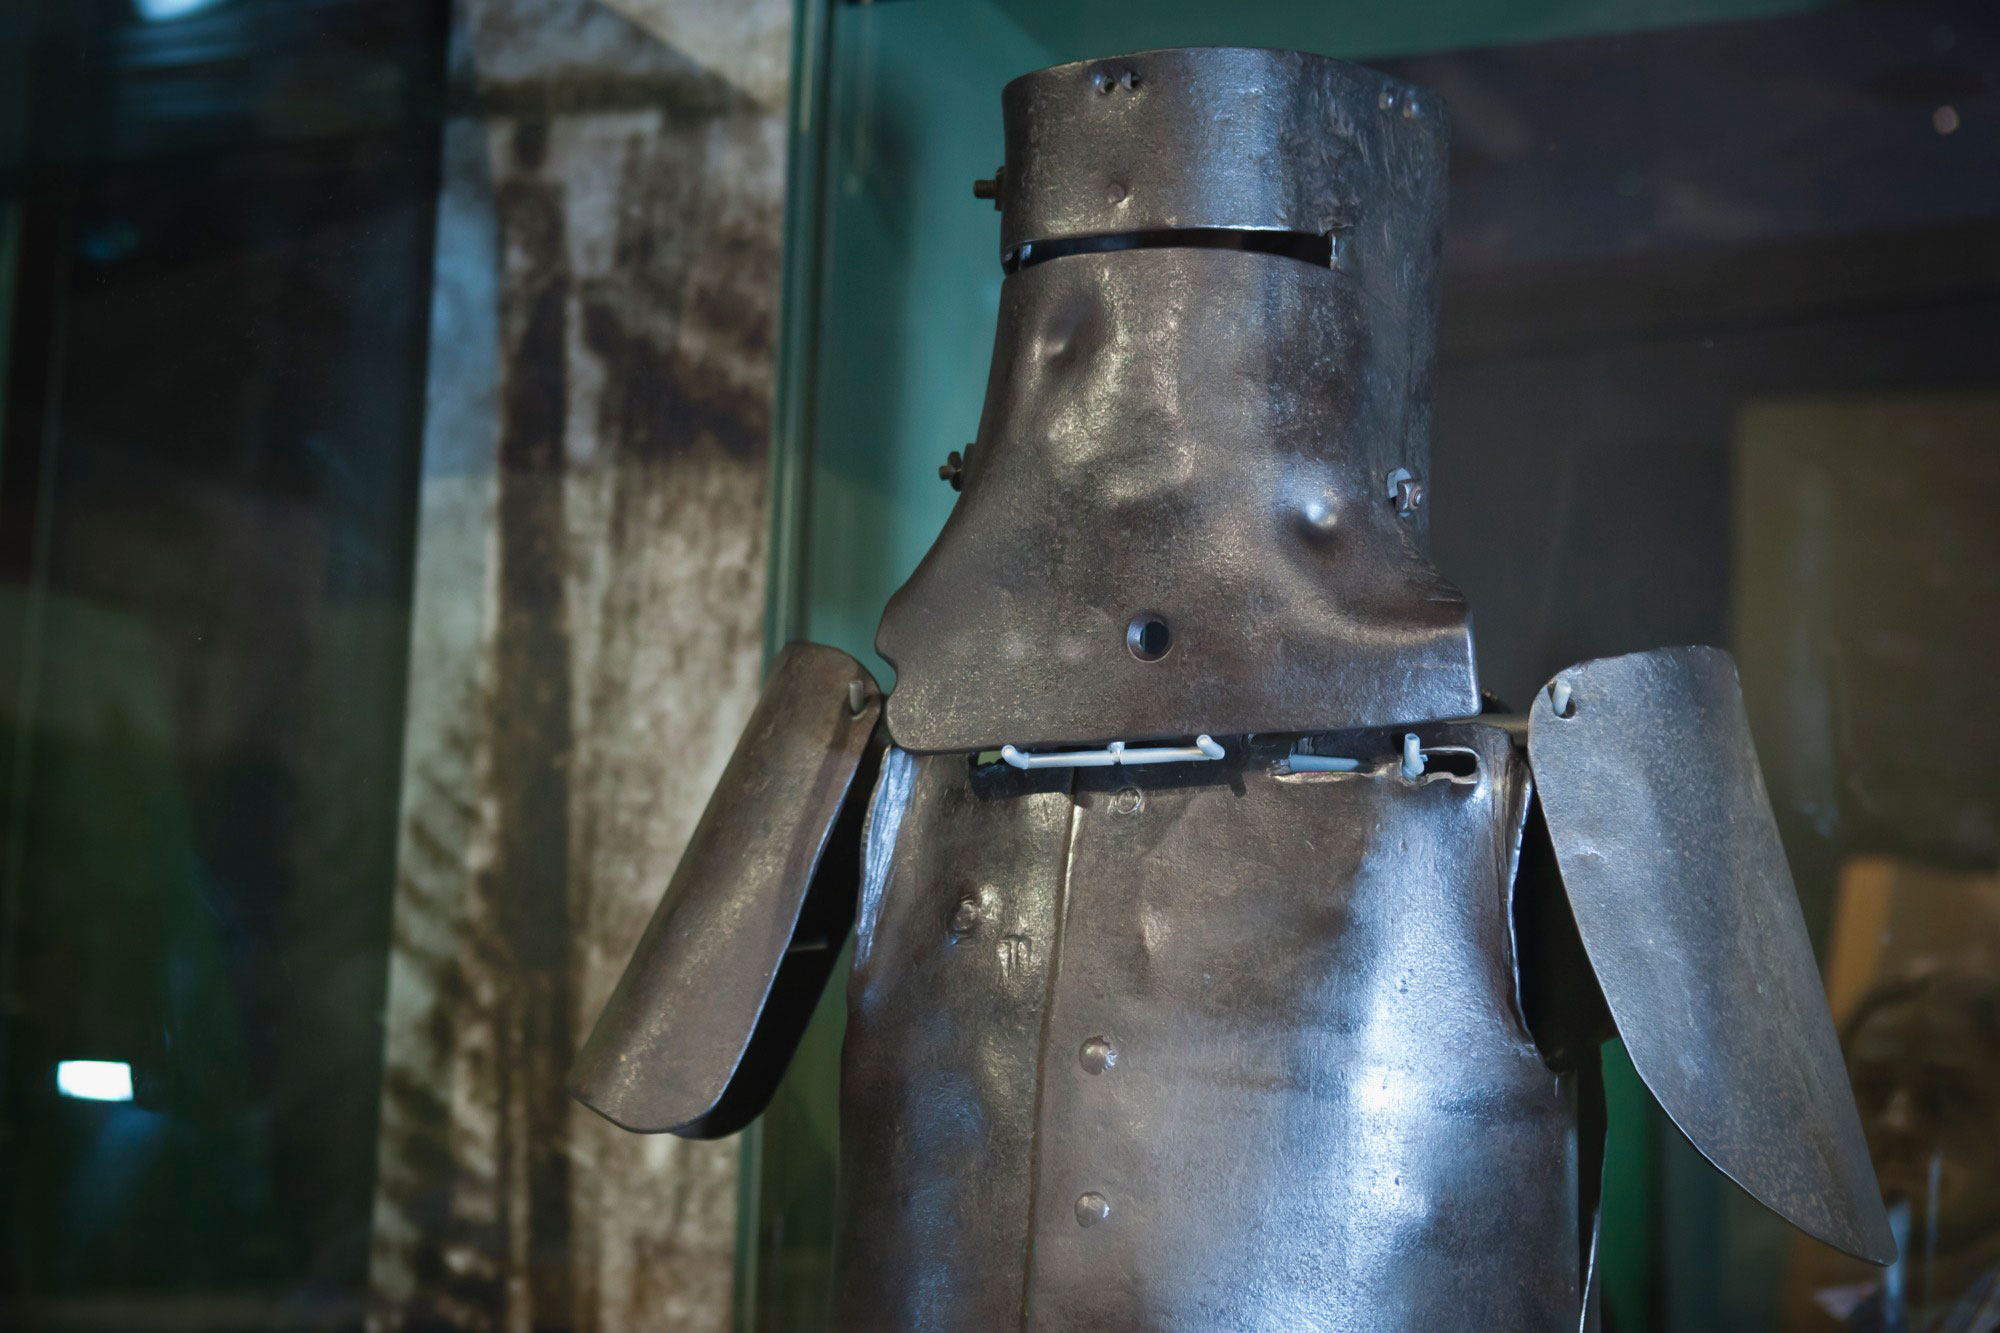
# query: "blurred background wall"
{"type": "Point", "coordinates": [587, 639]}
{"type": "Point", "coordinates": [382, 543]}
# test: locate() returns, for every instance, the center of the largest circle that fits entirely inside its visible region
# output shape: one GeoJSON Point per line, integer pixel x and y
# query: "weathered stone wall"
{"type": "Point", "coordinates": [587, 644]}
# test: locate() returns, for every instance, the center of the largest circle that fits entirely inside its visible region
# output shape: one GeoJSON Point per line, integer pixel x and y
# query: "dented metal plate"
{"type": "Point", "coordinates": [711, 1007]}
{"type": "Point", "coordinates": [1179, 514]}
{"type": "Point", "coordinates": [1685, 905]}
{"type": "Point", "coordinates": [1197, 438]}
{"type": "Point", "coordinates": [1203, 1046]}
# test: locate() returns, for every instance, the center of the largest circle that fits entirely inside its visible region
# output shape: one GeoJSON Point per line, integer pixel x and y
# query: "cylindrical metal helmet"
{"type": "Point", "coordinates": [1195, 502]}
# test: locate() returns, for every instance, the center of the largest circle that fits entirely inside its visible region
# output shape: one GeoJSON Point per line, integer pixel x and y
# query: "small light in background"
{"type": "Point", "coordinates": [95, 1080]}
{"type": "Point", "coordinates": [1945, 119]}
{"type": "Point", "coordinates": [160, 11]}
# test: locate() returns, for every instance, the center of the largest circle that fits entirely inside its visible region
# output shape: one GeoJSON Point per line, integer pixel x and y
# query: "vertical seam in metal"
{"type": "Point", "coordinates": [1056, 934]}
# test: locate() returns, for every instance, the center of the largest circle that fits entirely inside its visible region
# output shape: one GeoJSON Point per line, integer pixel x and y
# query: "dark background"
{"type": "Point", "coordinates": [223, 230]}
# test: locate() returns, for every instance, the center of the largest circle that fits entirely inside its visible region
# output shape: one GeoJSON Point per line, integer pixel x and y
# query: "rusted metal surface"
{"type": "Point", "coordinates": [1684, 903]}
{"type": "Point", "coordinates": [587, 648]}
{"type": "Point", "coordinates": [712, 1004]}
{"type": "Point", "coordinates": [1204, 1046]}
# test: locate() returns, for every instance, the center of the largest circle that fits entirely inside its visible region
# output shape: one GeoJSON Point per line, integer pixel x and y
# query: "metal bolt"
{"type": "Point", "coordinates": [1091, 1209]}
{"type": "Point", "coordinates": [953, 469]}
{"type": "Point", "coordinates": [857, 697]}
{"type": "Point", "coordinates": [990, 188]}
{"type": "Point", "coordinates": [1129, 80]}
{"type": "Point", "coordinates": [1406, 490]}
{"type": "Point", "coordinates": [1102, 80]}
{"type": "Point", "coordinates": [1097, 1055]}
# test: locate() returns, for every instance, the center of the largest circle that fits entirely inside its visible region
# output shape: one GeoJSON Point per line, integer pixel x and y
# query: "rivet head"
{"type": "Point", "coordinates": [1114, 193]}
{"type": "Point", "coordinates": [1128, 801]}
{"type": "Point", "coordinates": [1320, 515]}
{"type": "Point", "coordinates": [1097, 1055]}
{"type": "Point", "coordinates": [1091, 1209]}
{"type": "Point", "coordinates": [965, 920]}
{"type": "Point", "coordinates": [1102, 80]}
{"type": "Point", "coordinates": [1387, 99]}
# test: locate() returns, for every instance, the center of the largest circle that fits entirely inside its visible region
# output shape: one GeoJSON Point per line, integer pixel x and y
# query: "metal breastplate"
{"type": "Point", "coordinates": [1189, 1048]}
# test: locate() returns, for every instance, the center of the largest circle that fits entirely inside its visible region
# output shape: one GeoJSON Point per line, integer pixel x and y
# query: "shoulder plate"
{"type": "Point", "coordinates": [707, 1015]}
{"type": "Point", "coordinates": [1684, 903]}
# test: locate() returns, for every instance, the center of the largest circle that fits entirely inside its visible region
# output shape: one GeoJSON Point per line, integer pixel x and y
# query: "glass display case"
{"type": "Point", "coordinates": [403, 436]}
{"type": "Point", "coordinates": [217, 228]}
{"type": "Point", "coordinates": [1718, 351]}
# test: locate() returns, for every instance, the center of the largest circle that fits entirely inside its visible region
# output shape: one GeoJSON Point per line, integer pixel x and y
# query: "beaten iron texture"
{"type": "Point", "coordinates": [1222, 1047]}
{"type": "Point", "coordinates": [1682, 897]}
{"type": "Point", "coordinates": [1183, 433]}
{"type": "Point", "coordinates": [1200, 435]}
{"type": "Point", "coordinates": [718, 992]}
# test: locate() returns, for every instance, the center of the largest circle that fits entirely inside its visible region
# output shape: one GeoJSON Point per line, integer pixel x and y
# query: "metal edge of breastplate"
{"type": "Point", "coordinates": [1681, 893]}
{"type": "Point", "coordinates": [711, 1006]}
{"type": "Point", "coordinates": [1214, 137]}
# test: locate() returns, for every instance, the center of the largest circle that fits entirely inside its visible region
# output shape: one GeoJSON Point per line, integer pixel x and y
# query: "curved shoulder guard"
{"type": "Point", "coordinates": [1671, 859]}
{"type": "Point", "coordinates": [710, 1009]}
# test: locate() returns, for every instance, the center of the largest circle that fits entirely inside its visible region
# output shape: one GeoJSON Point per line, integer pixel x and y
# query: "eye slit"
{"type": "Point", "coordinates": [1455, 760]}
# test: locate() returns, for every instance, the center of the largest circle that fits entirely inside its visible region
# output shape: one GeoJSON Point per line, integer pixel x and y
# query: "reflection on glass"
{"type": "Point", "coordinates": [1924, 1053]}
{"type": "Point", "coordinates": [95, 1080]}
{"type": "Point", "coordinates": [1912, 978]}
{"type": "Point", "coordinates": [215, 226]}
